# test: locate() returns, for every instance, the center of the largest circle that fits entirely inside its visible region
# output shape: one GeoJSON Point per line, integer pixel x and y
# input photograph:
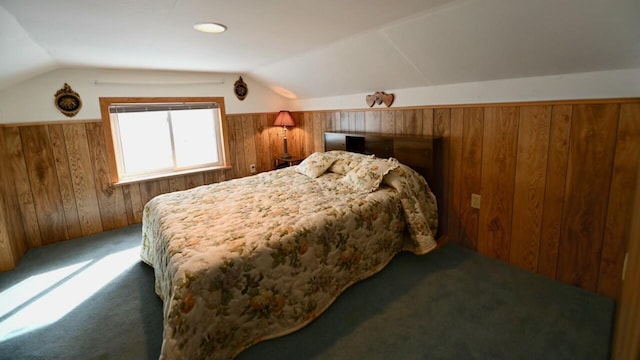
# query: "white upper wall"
{"type": "Point", "coordinates": [32, 100]}
{"type": "Point", "coordinates": [592, 85]}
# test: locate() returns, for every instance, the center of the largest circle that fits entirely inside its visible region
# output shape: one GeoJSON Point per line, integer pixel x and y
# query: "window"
{"type": "Point", "coordinates": [150, 138]}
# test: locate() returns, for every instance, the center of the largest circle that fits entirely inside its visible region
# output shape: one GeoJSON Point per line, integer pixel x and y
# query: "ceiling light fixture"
{"type": "Point", "coordinates": [211, 28]}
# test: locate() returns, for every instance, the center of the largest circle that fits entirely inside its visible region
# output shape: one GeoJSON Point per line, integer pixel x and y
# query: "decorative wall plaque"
{"type": "Point", "coordinates": [240, 89]}
{"type": "Point", "coordinates": [380, 97]}
{"type": "Point", "coordinates": [68, 101]}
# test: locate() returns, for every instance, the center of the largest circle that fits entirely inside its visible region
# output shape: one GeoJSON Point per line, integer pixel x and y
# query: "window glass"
{"type": "Point", "coordinates": [194, 137]}
{"type": "Point", "coordinates": [153, 139]}
{"type": "Point", "coordinates": [145, 142]}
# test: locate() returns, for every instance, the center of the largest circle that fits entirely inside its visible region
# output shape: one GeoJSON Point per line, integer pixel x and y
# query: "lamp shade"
{"type": "Point", "coordinates": [284, 118]}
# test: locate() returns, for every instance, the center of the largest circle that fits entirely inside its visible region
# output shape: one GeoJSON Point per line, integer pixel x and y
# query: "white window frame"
{"type": "Point", "coordinates": [114, 148]}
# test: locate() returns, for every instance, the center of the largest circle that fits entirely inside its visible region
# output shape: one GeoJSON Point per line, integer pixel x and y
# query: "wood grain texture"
{"type": "Point", "coordinates": [388, 122]}
{"type": "Point", "coordinates": [455, 174]}
{"type": "Point", "coordinates": [320, 125]}
{"type": "Point", "coordinates": [84, 188]}
{"type": "Point", "coordinates": [499, 144]}
{"type": "Point", "coordinates": [43, 182]}
{"type": "Point", "coordinates": [442, 129]}
{"type": "Point", "coordinates": [176, 183]}
{"type": "Point", "coordinates": [65, 182]}
{"type": "Point", "coordinates": [358, 120]}
{"type": "Point", "coordinates": [296, 136]}
{"type": "Point", "coordinates": [626, 343]}
{"type": "Point", "coordinates": [13, 240]}
{"type": "Point", "coordinates": [558, 154]}
{"type": "Point", "coordinates": [373, 121]}
{"type": "Point", "coordinates": [264, 160]}
{"type": "Point", "coordinates": [240, 165]}
{"type": "Point", "coordinates": [591, 152]}
{"type": "Point", "coordinates": [22, 187]}
{"type": "Point", "coordinates": [530, 184]}
{"type": "Point", "coordinates": [620, 209]}
{"type": "Point", "coordinates": [413, 122]}
{"type": "Point", "coordinates": [473, 122]}
{"type": "Point", "coordinates": [248, 142]}
{"type": "Point", "coordinates": [110, 198]}
{"type": "Point", "coordinates": [8, 257]}
{"type": "Point", "coordinates": [428, 125]}
{"type": "Point", "coordinates": [133, 203]}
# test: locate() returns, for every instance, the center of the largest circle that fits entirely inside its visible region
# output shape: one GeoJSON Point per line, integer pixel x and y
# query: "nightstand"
{"type": "Point", "coordinates": [282, 162]}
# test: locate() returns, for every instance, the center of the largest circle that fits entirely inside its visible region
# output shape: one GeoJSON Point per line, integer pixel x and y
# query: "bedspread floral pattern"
{"type": "Point", "coordinates": [237, 263]}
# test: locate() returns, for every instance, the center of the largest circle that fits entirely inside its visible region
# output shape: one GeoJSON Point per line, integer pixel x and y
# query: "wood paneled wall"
{"type": "Point", "coordinates": [13, 242]}
{"type": "Point", "coordinates": [556, 178]}
{"type": "Point", "coordinates": [58, 176]}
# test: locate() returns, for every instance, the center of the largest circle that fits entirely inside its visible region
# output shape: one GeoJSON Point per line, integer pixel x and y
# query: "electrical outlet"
{"type": "Point", "coordinates": [252, 168]}
{"type": "Point", "coordinates": [475, 201]}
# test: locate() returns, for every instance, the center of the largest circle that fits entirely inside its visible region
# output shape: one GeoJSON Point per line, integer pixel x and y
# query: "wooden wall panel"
{"type": "Point", "coordinates": [134, 205]}
{"type": "Point", "coordinates": [43, 182]}
{"type": "Point", "coordinates": [65, 182]}
{"type": "Point", "coordinates": [296, 136]}
{"type": "Point", "coordinates": [473, 122]}
{"type": "Point", "coordinates": [373, 121]}
{"type": "Point", "coordinates": [110, 198]}
{"type": "Point", "coordinates": [177, 183]}
{"type": "Point", "coordinates": [591, 152]}
{"type": "Point", "coordinates": [22, 186]}
{"type": "Point", "coordinates": [84, 188]}
{"type": "Point", "coordinates": [556, 173]}
{"type": "Point", "coordinates": [499, 144]}
{"type": "Point", "coordinates": [428, 125]}
{"type": "Point", "coordinates": [530, 184]}
{"type": "Point", "coordinates": [263, 152]}
{"type": "Point", "coordinates": [442, 128]}
{"type": "Point", "coordinates": [8, 256]}
{"type": "Point", "coordinates": [388, 122]}
{"type": "Point", "coordinates": [13, 240]}
{"type": "Point", "coordinates": [248, 143]}
{"type": "Point", "coordinates": [620, 208]}
{"type": "Point", "coordinates": [626, 343]}
{"type": "Point", "coordinates": [455, 174]}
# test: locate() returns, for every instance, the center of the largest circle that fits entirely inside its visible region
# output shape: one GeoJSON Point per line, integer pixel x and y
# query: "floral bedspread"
{"type": "Point", "coordinates": [255, 258]}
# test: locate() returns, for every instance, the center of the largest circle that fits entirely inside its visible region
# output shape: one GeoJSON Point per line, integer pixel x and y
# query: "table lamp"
{"type": "Point", "coordinates": [284, 119]}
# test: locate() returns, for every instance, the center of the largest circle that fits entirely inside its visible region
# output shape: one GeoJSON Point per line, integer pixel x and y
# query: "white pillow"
{"type": "Point", "coordinates": [315, 165]}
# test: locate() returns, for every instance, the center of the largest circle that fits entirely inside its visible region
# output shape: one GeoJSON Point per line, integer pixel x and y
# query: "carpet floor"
{"type": "Point", "coordinates": [92, 298]}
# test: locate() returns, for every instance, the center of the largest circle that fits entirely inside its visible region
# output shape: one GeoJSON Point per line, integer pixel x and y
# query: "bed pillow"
{"type": "Point", "coordinates": [315, 164]}
{"type": "Point", "coordinates": [368, 175]}
{"type": "Point", "coordinates": [345, 161]}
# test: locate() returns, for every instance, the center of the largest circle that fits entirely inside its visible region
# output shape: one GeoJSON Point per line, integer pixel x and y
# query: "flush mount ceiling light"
{"type": "Point", "coordinates": [209, 27]}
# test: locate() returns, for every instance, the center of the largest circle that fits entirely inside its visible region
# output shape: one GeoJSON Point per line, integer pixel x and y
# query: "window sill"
{"type": "Point", "coordinates": [169, 175]}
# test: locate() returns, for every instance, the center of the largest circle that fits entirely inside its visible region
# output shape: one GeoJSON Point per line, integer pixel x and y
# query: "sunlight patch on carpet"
{"type": "Point", "coordinates": [46, 298]}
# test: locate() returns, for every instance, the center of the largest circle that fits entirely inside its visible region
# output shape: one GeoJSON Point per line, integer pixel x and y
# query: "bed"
{"type": "Point", "coordinates": [259, 257]}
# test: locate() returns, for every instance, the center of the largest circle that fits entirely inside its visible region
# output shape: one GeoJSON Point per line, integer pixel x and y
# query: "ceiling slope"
{"type": "Point", "coordinates": [469, 42]}
{"type": "Point", "coordinates": [21, 57]}
{"type": "Point", "coordinates": [311, 49]}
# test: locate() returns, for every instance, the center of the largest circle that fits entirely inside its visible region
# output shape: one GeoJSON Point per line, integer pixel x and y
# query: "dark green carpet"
{"type": "Point", "coordinates": [449, 304]}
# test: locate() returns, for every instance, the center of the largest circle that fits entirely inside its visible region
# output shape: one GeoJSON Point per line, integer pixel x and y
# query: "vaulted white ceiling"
{"type": "Point", "coordinates": [316, 48]}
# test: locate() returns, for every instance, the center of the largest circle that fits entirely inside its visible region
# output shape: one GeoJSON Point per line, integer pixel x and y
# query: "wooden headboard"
{"type": "Point", "coordinates": [421, 153]}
